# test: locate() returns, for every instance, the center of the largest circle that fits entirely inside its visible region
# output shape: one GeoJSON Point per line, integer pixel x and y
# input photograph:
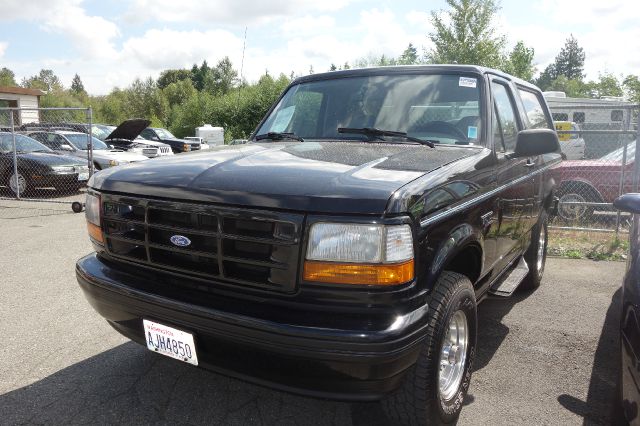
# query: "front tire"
{"type": "Point", "coordinates": [434, 389]}
{"type": "Point", "coordinates": [18, 183]}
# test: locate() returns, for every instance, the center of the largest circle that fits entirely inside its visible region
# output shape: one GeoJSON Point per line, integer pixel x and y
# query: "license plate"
{"type": "Point", "coordinates": [83, 176]}
{"type": "Point", "coordinates": [171, 342]}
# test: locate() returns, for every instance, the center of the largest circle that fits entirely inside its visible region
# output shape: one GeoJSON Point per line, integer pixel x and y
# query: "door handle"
{"type": "Point", "coordinates": [529, 163]}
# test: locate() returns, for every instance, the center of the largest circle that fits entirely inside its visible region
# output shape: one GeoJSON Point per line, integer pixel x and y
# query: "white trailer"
{"type": "Point", "coordinates": [211, 135]}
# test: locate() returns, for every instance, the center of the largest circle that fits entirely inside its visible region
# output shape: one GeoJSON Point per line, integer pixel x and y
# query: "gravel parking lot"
{"type": "Point", "coordinates": [544, 358]}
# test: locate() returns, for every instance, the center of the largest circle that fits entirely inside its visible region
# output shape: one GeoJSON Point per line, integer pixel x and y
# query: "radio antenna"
{"type": "Point", "coordinates": [244, 45]}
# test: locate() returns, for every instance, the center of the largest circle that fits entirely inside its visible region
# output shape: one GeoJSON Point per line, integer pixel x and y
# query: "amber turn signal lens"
{"type": "Point", "coordinates": [95, 232]}
{"type": "Point", "coordinates": [360, 274]}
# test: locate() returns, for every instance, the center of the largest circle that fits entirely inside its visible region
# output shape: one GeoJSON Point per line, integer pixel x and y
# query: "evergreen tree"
{"type": "Point", "coordinates": [409, 56]}
{"type": "Point", "coordinates": [570, 60]}
{"type": "Point", "coordinates": [76, 86]}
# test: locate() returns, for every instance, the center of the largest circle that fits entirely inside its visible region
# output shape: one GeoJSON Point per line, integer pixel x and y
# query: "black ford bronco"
{"type": "Point", "coordinates": [342, 252]}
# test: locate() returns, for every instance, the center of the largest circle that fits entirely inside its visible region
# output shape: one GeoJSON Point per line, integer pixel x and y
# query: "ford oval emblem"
{"type": "Point", "coordinates": [180, 240]}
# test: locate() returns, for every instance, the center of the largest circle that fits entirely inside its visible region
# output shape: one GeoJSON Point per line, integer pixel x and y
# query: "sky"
{"type": "Point", "coordinates": [111, 42]}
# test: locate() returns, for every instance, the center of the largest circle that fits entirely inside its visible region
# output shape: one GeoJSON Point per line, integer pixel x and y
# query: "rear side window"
{"type": "Point", "coordinates": [617, 115]}
{"type": "Point", "coordinates": [506, 115]}
{"type": "Point", "coordinates": [560, 116]}
{"type": "Point", "coordinates": [578, 117]}
{"type": "Point", "coordinates": [535, 113]}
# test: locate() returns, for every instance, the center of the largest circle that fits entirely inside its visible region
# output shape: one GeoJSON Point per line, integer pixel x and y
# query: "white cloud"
{"type": "Point", "coordinates": [3, 47]}
{"type": "Point", "coordinates": [308, 24]}
{"type": "Point", "coordinates": [228, 12]}
{"type": "Point", "coordinates": [92, 36]}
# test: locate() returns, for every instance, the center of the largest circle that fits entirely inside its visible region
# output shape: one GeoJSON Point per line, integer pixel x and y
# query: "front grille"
{"type": "Point", "coordinates": [195, 146]}
{"type": "Point", "coordinates": [150, 152]}
{"type": "Point", "coordinates": [224, 245]}
{"type": "Point", "coordinates": [165, 149]}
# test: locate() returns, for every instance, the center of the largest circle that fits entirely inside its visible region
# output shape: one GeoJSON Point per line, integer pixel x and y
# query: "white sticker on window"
{"type": "Point", "coordinates": [467, 82]}
{"type": "Point", "coordinates": [472, 132]}
{"type": "Point", "coordinates": [282, 119]}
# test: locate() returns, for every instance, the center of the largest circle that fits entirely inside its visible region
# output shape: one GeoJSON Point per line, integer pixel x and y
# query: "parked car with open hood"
{"type": "Point", "coordinates": [38, 166]}
{"type": "Point", "coordinates": [343, 252]}
{"type": "Point", "coordinates": [158, 134]}
{"type": "Point", "coordinates": [76, 144]}
{"type": "Point", "coordinates": [127, 137]}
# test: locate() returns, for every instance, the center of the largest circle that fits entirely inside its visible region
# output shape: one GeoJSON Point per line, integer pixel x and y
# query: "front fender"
{"type": "Point", "coordinates": [458, 239]}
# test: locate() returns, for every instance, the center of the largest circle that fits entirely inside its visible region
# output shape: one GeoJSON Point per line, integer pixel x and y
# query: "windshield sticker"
{"type": "Point", "coordinates": [472, 132]}
{"type": "Point", "coordinates": [467, 82]}
{"type": "Point", "coordinates": [282, 119]}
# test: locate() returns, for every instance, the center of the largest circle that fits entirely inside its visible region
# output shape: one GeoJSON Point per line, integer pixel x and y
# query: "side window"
{"type": "Point", "coordinates": [533, 107]}
{"type": "Point", "coordinates": [57, 141]}
{"type": "Point", "coordinates": [560, 116]}
{"type": "Point", "coordinates": [40, 137]}
{"type": "Point", "coordinates": [506, 115]}
{"type": "Point", "coordinates": [617, 115]}
{"type": "Point", "coordinates": [578, 117]}
{"type": "Point", "coordinates": [147, 133]}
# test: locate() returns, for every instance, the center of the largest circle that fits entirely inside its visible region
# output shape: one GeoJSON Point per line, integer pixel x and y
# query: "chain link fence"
{"type": "Point", "coordinates": [46, 159]}
{"type": "Point", "coordinates": [598, 140]}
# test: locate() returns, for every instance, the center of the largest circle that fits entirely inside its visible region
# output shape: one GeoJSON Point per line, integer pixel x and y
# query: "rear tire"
{"type": "Point", "coordinates": [434, 389]}
{"type": "Point", "coordinates": [536, 254]}
{"type": "Point", "coordinates": [572, 213]}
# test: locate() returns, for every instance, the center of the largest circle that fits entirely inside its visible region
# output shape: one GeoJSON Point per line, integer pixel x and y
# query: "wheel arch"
{"type": "Point", "coordinates": [575, 185]}
{"type": "Point", "coordinates": [462, 251]}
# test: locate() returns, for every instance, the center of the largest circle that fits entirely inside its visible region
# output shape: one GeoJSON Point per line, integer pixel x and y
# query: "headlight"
{"type": "Point", "coordinates": [186, 147]}
{"type": "Point", "coordinates": [359, 254]}
{"type": "Point", "coordinates": [61, 170]}
{"type": "Point", "coordinates": [113, 163]}
{"type": "Point", "coordinates": [92, 213]}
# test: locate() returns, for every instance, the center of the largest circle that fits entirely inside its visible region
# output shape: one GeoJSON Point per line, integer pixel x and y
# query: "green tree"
{"type": "Point", "coordinates": [198, 75]}
{"type": "Point", "coordinates": [520, 62]}
{"type": "Point", "coordinates": [7, 77]}
{"type": "Point", "coordinates": [409, 56]}
{"type": "Point", "coordinates": [572, 87]}
{"type": "Point", "coordinates": [77, 87]}
{"type": "Point", "coordinates": [222, 78]}
{"type": "Point", "coordinates": [45, 80]}
{"type": "Point", "coordinates": [606, 85]}
{"type": "Point", "coordinates": [465, 34]}
{"type": "Point", "coordinates": [631, 85]}
{"type": "Point", "coordinates": [173, 76]}
{"type": "Point", "coordinates": [570, 60]}
{"type": "Point", "coordinates": [179, 92]}
{"type": "Point", "coordinates": [333, 67]}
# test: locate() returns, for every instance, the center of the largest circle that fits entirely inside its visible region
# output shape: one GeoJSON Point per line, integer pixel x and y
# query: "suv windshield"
{"type": "Point", "coordinates": [164, 134]}
{"type": "Point", "coordinates": [23, 144]}
{"type": "Point", "coordinates": [79, 140]}
{"type": "Point", "coordinates": [441, 108]}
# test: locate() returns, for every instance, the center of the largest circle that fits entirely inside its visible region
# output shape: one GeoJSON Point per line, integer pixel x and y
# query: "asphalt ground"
{"type": "Point", "coordinates": [548, 357]}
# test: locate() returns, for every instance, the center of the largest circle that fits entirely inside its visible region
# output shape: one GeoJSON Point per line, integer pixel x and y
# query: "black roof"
{"type": "Point", "coordinates": [409, 69]}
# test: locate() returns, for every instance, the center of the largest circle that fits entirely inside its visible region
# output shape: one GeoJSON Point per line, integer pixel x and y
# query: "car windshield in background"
{"type": "Point", "coordinates": [79, 140]}
{"type": "Point", "coordinates": [101, 131]}
{"type": "Point", "coordinates": [164, 134]}
{"type": "Point", "coordinates": [618, 153]}
{"type": "Point", "coordinates": [23, 144]}
{"type": "Point", "coordinates": [440, 108]}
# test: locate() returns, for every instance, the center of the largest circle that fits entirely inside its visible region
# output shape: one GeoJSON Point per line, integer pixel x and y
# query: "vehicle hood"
{"type": "Point", "coordinates": [323, 177]}
{"type": "Point", "coordinates": [49, 159]}
{"type": "Point", "coordinates": [128, 130]}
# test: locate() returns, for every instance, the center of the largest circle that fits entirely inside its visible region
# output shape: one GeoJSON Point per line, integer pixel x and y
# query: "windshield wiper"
{"type": "Point", "coordinates": [379, 133]}
{"type": "Point", "coordinates": [278, 136]}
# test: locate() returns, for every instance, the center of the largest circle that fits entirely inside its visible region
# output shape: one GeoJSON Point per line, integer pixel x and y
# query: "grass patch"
{"type": "Point", "coordinates": [588, 245]}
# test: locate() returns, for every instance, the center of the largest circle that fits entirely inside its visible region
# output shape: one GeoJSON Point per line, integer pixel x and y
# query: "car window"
{"type": "Point", "coordinates": [578, 117]}
{"type": "Point", "coordinates": [560, 116]}
{"type": "Point", "coordinates": [617, 115]}
{"type": "Point", "coordinates": [498, 141]}
{"type": "Point", "coordinates": [533, 107]}
{"type": "Point", "coordinates": [506, 115]}
{"type": "Point", "coordinates": [23, 144]}
{"type": "Point", "coordinates": [147, 134]}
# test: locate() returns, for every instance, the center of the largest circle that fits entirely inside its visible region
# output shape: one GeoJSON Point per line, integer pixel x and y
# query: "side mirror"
{"type": "Point", "coordinates": [534, 142]}
{"type": "Point", "coordinates": [629, 203]}
{"type": "Point", "coordinates": [66, 147]}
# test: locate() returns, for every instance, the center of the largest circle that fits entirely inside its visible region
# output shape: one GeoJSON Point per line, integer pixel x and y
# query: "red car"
{"type": "Point", "coordinates": [593, 181]}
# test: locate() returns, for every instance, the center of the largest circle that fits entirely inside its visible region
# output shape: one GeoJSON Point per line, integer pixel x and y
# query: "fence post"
{"type": "Point", "coordinates": [15, 156]}
{"type": "Point", "coordinates": [623, 167]}
{"type": "Point", "coordinates": [636, 164]}
{"type": "Point", "coordinates": [90, 141]}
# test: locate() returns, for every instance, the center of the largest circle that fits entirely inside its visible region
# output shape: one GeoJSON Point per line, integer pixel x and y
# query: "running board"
{"type": "Point", "coordinates": [506, 287]}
